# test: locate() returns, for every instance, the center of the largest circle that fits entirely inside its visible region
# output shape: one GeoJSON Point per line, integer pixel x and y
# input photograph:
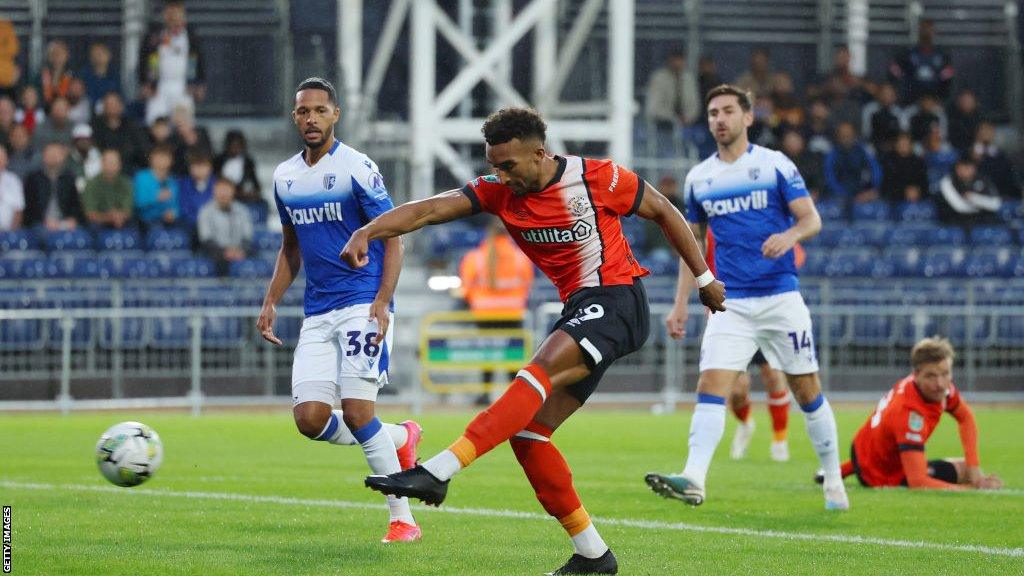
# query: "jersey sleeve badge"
{"type": "Point", "coordinates": [915, 422]}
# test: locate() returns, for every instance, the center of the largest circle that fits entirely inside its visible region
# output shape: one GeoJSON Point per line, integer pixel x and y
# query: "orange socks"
{"type": "Point", "coordinates": [778, 406]}
{"type": "Point", "coordinates": [550, 477]}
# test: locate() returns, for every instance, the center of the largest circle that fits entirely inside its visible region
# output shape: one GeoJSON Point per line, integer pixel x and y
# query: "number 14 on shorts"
{"type": "Point", "coordinates": [802, 341]}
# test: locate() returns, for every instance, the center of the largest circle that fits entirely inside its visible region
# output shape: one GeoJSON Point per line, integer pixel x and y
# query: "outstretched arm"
{"type": "Point", "coordinates": [969, 440]}
{"type": "Point", "coordinates": [658, 209]}
{"type": "Point", "coordinates": [410, 216]}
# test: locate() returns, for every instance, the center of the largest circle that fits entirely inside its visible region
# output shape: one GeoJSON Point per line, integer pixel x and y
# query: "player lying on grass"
{"type": "Point", "coordinates": [563, 212]}
{"type": "Point", "coordinates": [889, 449]}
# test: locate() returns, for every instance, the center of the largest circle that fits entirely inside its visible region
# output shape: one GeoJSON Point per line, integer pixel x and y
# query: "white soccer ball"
{"type": "Point", "coordinates": [129, 453]}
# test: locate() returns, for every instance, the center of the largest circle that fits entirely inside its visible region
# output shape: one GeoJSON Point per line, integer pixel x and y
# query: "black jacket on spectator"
{"type": "Point", "coordinates": [968, 203]}
{"type": "Point", "coordinates": [38, 190]}
{"type": "Point", "coordinates": [248, 190]}
{"type": "Point", "coordinates": [812, 167]}
{"type": "Point", "coordinates": [884, 126]}
{"type": "Point", "coordinates": [919, 72]}
{"type": "Point", "coordinates": [899, 172]}
{"type": "Point", "coordinates": [961, 129]}
{"type": "Point", "coordinates": [127, 138]}
{"type": "Point", "coordinates": [921, 124]}
{"type": "Point", "coordinates": [994, 164]}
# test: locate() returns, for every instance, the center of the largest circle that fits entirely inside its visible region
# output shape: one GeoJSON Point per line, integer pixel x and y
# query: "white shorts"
{"type": "Point", "coordinates": [780, 325]}
{"type": "Point", "coordinates": [336, 357]}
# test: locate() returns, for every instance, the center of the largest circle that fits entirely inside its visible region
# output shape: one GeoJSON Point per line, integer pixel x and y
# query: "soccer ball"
{"type": "Point", "coordinates": [129, 453]}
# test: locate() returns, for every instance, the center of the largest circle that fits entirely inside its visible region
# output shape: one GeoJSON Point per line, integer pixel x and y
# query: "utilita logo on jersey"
{"type": "Point", "coordinates": [579, 231]}
{"type": "Point", "coordinates": [756, 200]}
{"type": "Point", "coordinates": [329, 212]}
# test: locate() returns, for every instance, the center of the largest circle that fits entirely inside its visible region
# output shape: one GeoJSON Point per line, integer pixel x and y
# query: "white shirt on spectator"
{"type": "Point", "coordinates": [12, 199]}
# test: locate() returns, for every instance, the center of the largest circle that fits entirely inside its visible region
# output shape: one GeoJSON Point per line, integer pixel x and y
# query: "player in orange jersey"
{"type": "Point", "coordinates": [889, 449]}
{"type": "Point", "coordinates": [563, 212]}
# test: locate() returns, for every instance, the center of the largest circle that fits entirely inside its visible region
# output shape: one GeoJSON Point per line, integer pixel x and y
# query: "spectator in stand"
{"type": "Point", "coordinates": [851, 171]}
{"type": "Point", "coordinates": [967, 198]}
{"type": "Point", "coordinates": [807, 162]}
{"type": "Point", "coordinates": [939, 158]}
{"type": "Point", "coordinates": [10, 72]}
{"type": "Point", "coordinates": [7, 112]}
{"type": "Point", "coordinates": [79, 109]}
{"type": "Point", "coordinates": [99, 76]}
{"type": "Point", "coordinates": [788, 109]}
{"type": "Point", "coordinates": [23, 157]}
{"type": "Point", "coordinates": [29, 113]}
{"type": "Point", "coordinates": [904, 175]}
{"type": "Point", "coordinates": [993, 163]}
{"type": "Point", "coordinates": [55, 77]}
{"type": "Point", "coordinates": [156, 191]}
{"type": "Point", "coordinates": [668, 185]}
{"type": "Point", "coordinates": [819, 129]}
{"type": "Point", "coordinates": [883, 120]}
{"type": "Point", "coordinates": [196, 189]}
{"type": "Point", "coordinates": [760, 78]}
{"type": "Point", "coordinates": [926, 116]}
{"type": "Point", "coordinates": [108, 197]}
{"type": "Point", "coordinates": [84, 157]}
{"type": "Point", "coordinates": [225, 227]}
{"type": "Point", "coordinates": [236, 164]}
{"type": "Point", "coordinates": [171, 66]}
{"type": "Point", "coordinates": [185, 136]}
{"type": "Point", "coordinates": [762, 130]}
{"type": "Point", "coordinates": [923, 69]}
{"type": "Point", "coordinates": [160, 133]}
{"type": "Point", "coordinates": [57, 127]}
{"type": "Point", "coordinates": [672, 98]}
{"type": "Point", "coordinates": [963, 120]}
{"type": "Point", "coordinates": [12, 197]}
{"type": "Point", "coordinates": [707, 76]}
{"type": "Point", "coordinates": [51, 199]}
{"type": "Point", "coordinates": [842, 76]}
{"type": "Point", "coordinates": [112, 129]}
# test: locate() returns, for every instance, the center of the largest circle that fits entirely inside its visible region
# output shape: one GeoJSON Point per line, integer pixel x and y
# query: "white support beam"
{"type": "Point", "coordinates": [621, 15]}
{"type": "Point", "coordinates": [350, 61]}
{"type": "Point", "coordinates": [385, 48]}
{"type": "Point", "coordinates": [570, 52]}
{"type": "Point", "coordinates": [545, 54]}
{"type": "Point", "coordinates": [421, 97]}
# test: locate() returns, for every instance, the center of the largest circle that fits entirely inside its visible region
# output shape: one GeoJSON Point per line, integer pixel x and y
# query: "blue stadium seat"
{"type": "Point", "coordinates": [1010, 330]}
{"type": "Point", "coordinates": [991, 236]}
{"type": "Point", "coordinates": [21, 335]}
{"type": "Point", "coordinates": [872, 233]}
{"type": "Point", "coordinates": [977, 327]}
{"type": "Point", "coordinates": [223, 332]}
{"type": "Point", "coordinates": [854, 262]}
{"type": "Point", "coordinates": [911, 234]}
{"type": "Point", "coordinates": [906, 261]}
{"type": "Point", "coordinates": [127, 239]}
{"type": "Point", "coordinates": [661, 264]}
{"type": "Point", "coordinates": [90, 268]}
{"type": "Point", "coordinates": [831, 210]}
{"type": "Point", "coordinates": [872, 329]}
{"type": "Point", "coordinates": [82, 336]}
{"type": "Point", "coordinates": [165, 239]}
{"type": "Point", "coordinates": [192, 268]}
{"type": "Point", "coordinates": [991, 261]}
{"type": "Point", "coordinates": [140, 268]}
{"type": "Point", "coordinates": [258, 212]}
{"type": "Point", "coordinates": [876, 211]}
{"type": "Point", "coordinates": [635, 231]}
{"type": "Point", "coordinates": [266, 241]}
{"type": "Point", "coordinates": [38, 268]}
{"type": "Point", "coordinates": [829, 237]}
{"type": "Point", "coordinates": [18, 240]}
{"type": "Point", "coordinates": [1012, 210]}
{"type": "Point", "coordinates": [923, 211]}
{"type": "Point", "coordinates": [69, 240]}
{"type": "Point", "coordinates": [944, 262]}
{"type": "Point", "coordinates": [816, 262]}
{"type": "Point", "coordinates": [251, 268]}
{"type": "Point", "coordinates": [947, 236]}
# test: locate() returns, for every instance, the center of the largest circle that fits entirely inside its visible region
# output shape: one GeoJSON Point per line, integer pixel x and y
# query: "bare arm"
{"type": "Point", "coordinates": [289, 260]}
{"type": "Point", "coordinates": [410, 216]}
{"type": "Point", "coordinates": [379, 309]}
{"type": "Point", "coordinates": [807, 225]}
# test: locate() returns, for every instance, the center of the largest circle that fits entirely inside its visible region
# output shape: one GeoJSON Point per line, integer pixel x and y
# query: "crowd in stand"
{"type": "Point", "coordinates": [908, 141]}
{"type": "Point", "coordinates": [75, 153]}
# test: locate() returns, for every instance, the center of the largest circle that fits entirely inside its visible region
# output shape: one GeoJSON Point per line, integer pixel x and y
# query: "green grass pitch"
{"type": "Point", "coordinates": [244, 493]}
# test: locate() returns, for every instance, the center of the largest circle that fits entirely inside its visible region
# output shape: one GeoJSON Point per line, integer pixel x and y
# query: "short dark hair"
{"type": "Point", "coordinates": [162, 148]}
{"type": "Point", "coordinates": [730, 90]}
{"type": "Point", "coordinates": [318, 83]}
{"type": "Point", "coordinates": [198, 155]}
{"type": "Point", "coordinates": [509, 123]}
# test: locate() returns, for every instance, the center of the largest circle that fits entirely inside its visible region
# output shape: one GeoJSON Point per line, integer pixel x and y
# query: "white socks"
{"type": "Point", "coordinates": [589, 543]}
{"type": "Point", "coordinates": [706, 430]}
{"type": "Point", "coordinates": [821, 427]}
{"type": "Point", "coordinates": [341, 435]}
{"type": "Point", "coordinates": [379, 449]}
{"type": "Point", "coordinates": [443, 466]}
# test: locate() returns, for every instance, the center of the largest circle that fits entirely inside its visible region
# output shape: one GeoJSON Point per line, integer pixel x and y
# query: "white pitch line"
{"type": "Point", "coordinates": [493, 513]}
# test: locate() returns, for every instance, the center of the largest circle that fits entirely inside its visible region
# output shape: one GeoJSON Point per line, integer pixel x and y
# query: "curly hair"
{"type": "Point", "coordinates": [509, 123]}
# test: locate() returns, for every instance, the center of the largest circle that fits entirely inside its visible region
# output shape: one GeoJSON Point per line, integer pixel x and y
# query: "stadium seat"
{"type": "Point", "coordinates": [829, 237]}
{"type": "Point", "coordinates": [855, 262]}
{"type": "Point", "coordinates": [876, 211]}
{"type": "Point", "coordinates": [991, 261]}
{"type": "Point", "coordinates": [816, 262]}
{"type": "Point", "coordinates": [873, 234]}
{"type": "Point", "coordinates": [18, 240]}
{"type": "Point", "coordinates": [976, 329]}
{"type": "Point", "coordinates": [911, 234]}
{"type": "Point", "coordinates": [661, 264]}
{"type": "Point", "coordinates": [991, 236]}
{"type": "Point", "coordinates": [947, 236]}
{"type": "Point", "coordinates": [923, 211]}
{"type": "Point", "coordinates": [69, 240]}
{"type": "Point", "coordinates": [1012, 210]}
{"type": "Point", "coordinates": [873, 329]}
{"type": "Point", "coordinates": [140, 268]}
{"type": "Point", "coordinates": [192, 268]}
{"type": "Point", "coordinates": [38, 268]}
{"type": "Point", "coordinates": [1010, 330]}
{"type": "Point", "coordinates": [944, 262]}
{"type": "Point", "coordinates": [21, 335]}
{"type": "Point", "coordinates": [251, 268]}
{"type": "Point", "coordinates": [831, 210]}
{"type": "Point", "coordinates": [906, 261]}
{"type": "Point", "coordinates": [165, 239]}
{"type": "Point", "coordinates": [128, 239]}
{"type": "Point", "coordinates": [266, 241]}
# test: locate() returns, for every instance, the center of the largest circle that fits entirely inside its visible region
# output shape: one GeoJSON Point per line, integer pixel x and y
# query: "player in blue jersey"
{"type": "Point", "coordinates": [324, 194]}
{"type": "Point", "coordinates": [758, 208]}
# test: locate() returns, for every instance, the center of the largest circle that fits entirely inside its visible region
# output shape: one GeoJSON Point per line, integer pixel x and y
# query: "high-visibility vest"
{"type": "Point", "coordinates": [496, 276]}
